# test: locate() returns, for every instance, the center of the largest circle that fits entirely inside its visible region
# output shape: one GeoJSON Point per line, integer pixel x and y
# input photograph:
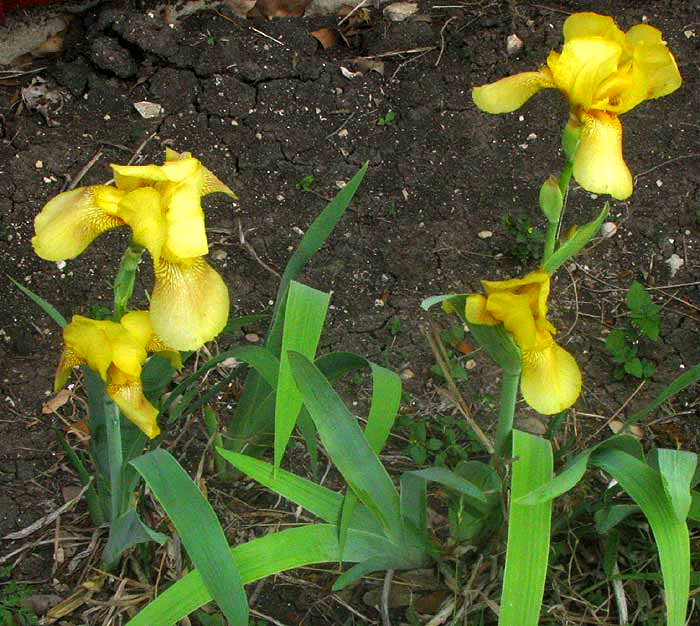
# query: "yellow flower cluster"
{"type": "Point", "coordinates": [116, 351]}
{"type": "Point", "coordinates": [550, 380]}
{"type": "Point", "coordinates": [190, 302]}
{"type": "Point", "coordinates": [602, 72]}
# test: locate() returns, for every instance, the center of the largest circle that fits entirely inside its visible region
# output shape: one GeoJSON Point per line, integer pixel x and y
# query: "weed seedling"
{"type": "Point", "coordinates": [623, 343]}
{"type": "Point", "coordinates": [528, 240]}
{"type": "Point", "coordinates": [386, 120]}
{"type": "Point", "coordinates": [12, 612]}
{"type": "Point", "coordinates": [305, 183]}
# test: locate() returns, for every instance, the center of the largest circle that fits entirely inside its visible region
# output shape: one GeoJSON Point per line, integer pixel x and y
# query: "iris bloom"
{"type": "Point", "coordinates": [550, 380]}
{"type": "Point", "coordinates": [116, 351]}
{"type": "Point", "coordinates": [161, 204]}
{"type": "Point", "coordinates": [602, 72]}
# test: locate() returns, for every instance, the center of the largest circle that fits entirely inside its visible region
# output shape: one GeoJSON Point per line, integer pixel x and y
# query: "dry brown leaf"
{"type": "Point", "coordinates": [327, 37]}
{"type": "Point", "coordinates": [616, 426]}
{"type": "Point", "coordinates": [369, 65]}
{"type": "Point", "coordinates": [53, 45]}
{"type": "Point", "coordinates": [55, 403]}
{"type": "Point", "coordinates": [533, 425]}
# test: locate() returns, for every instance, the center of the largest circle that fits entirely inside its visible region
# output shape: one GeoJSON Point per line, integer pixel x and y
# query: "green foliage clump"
{"type": "Point", "coordinates": [528, 240]}
{"type": "Point", "coordinates": [623, 343]}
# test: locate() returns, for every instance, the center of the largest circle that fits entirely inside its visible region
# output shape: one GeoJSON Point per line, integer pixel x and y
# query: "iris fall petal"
{"type": "Point", "coordinates": [190, 303]}
{"type": "Point", "coordinates": [551, 379]}
{"type": "Point", "coordinates": [130, 399]}
{"type": "Point", "coordinates": [69, 223]}
{"type": "Point", "coordinates": [510, 93]}
{"type": "Point", "coordinates": [598, 164]}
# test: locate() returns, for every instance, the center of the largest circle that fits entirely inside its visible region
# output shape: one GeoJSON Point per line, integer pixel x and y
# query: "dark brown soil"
{"type": "Point", "coordinates": [262, 105]}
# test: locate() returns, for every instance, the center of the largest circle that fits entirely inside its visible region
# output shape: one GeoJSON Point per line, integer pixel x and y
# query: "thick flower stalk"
{"type": "Point", "coordinates": [116, 351]}
{"type": "Point", "coordinates": [162, 206]}
{"type": "Point", "coordinates": [550, 380]}
{"type": "Point", "coordinates": [603, 73]}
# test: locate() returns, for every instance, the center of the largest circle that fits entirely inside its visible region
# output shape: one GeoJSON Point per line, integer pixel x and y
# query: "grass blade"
{"type": "Point", "coordinates": [386, 398]}
{"type": "Point", "coordinates": [199, 530]}
{"type": "Point", "coordinates": [677, 468]}
{"type": "Point", "coordinates": [295, 547]}
{"type": "Point", "coordinates": [316, 499]}
{"type": "Point", "coordinates": [303, 322]}
{"type": "Point", "coordinates": [645, 487]}
{"type": "Point", "coordinates": [569, 477]}
{"type": "Point", "coordinates": [347, 446]}
{"type": "Point", "coordinates": [528, 534]}
{"type": "Point", "coordinates": [675, 386]}
{"type": "Point", "coordinates": [45, 306]}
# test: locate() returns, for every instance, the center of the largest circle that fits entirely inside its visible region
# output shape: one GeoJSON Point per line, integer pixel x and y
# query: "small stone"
{"type": "Point", "coordinates": [407, 374]}
{"type": "Point", "coordinates": [674, 263]}
{"type": "Point", "coordinates": [485, 234]}
{"type": "Point", "coordinates": [659, 183]}
{"type": "Point", "coordinates": [340, 184]}
{"type": "Point", "coordinates": [608, 229]}
{"type": "Point", "coordinates": [39, 165]}
{"type": "Point", "coordinates": [60, 264]}
{"type": "Point", "coordinates": [513, 44]}
{"type": "Point", "coordinates": [689, 33]}
{"type": "Point", "coordinates": [343, 132]}
{"type": "Point", "coordinates": [252, 337]}
{"type": "Point", "coordinates": [531, 136]}
{"type": "Point", "coordinates": [298, 231]}
{"type": "Point", "coordinates": [149, 110]}
{"type": "Point", "coordinates": [470, 365]}
{"type": "Point", "coordinates": [219, 255]}
{"type": "Point", "coordinates": [399, 11]}
{"type": "Point", "coordinates": [107, 117]}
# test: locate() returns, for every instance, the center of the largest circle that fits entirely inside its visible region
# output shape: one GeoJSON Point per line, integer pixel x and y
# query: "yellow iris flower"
{"type": "Point", "coordinates": [602, 72]}
{"type": "Point", "coordinates": [116, 351]}
{"type": "Point", "coordinates": [550, 380]}
{"type": "Point", "coordinates": [161, 204]}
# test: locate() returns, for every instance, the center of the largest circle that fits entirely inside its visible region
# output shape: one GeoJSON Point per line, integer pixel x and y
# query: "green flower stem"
{"type": "Point", "coordinates": [509, 394]}
{"type": "Point", "coordinates": [115, 456]}
{"type": "Point", "coordinates": [126, 276]}
{"type": "Point", "coordinates": [553, 228]}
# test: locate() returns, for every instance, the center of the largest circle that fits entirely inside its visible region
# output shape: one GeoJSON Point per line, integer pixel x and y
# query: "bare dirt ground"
{"type": "Point", "coordinates": [263, 106]}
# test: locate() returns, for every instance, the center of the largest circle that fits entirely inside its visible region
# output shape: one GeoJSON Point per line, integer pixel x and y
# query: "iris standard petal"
{"type": "Point", "coordinates": [69, 223]}
{"type": "Point", "coordinates": [510, 93]}
{"type": "Point", "coordinates": [130, 399]}
{"type": "Point", "coordinates": [186, 237]}
{"type": "Point", "coordinates": [598, 165]}
{"type": "Point", "coordinates": [582, 66]}
{"type": "Point", "coordinates": [475, 311]}
{"type": "Point", "coordinates": [517, 316]}
{"type": "Point", "coordinates": [86, 339]}
{"type": "Point", "coordinates": [551, 379]}
{"type": "Point", "coordinates": [653, 60]}
{"type": "Point", "coordinates": [534, 277]}
{"type": "Point", "coordinates": [142, 210]}
{"type": "Point", "coordinates": [587, 24]}
{"type": "Point", "coordinates": [190, 303]}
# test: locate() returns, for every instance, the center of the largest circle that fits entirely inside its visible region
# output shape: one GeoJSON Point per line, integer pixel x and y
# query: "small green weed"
{"type": "Point", "coordinates": [12, 613]}
{"type": "Point", "coordinates": [305, 183]}
{"type": "Point", "coordinates": [528, 239]}
{"type": "Point", "coordinates": [441, 441]}
{"type": "Point", "coordinates": [387, 120]}
{"type": "Point", "coordinates": [623, 343]}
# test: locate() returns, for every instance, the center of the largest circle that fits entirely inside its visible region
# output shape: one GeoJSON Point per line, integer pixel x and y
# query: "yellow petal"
{"type": "Point", "coordinates": [141, 209]}
{"type": "Point", "coordinates": [68, 361]}
{"type": "Point", "coordinates": [582, 66]}
{"type": "Point", "coordinates": [69, 223]}
{"type": "Point", "coordinates": [582, 25]}
{"type": "Point", "coordinates": [190, 303]}
{"type": "Point", "coordinates": [475, 311]}
{"type": "Point", "coordinates": [535, 277]}
{"type": "Point", "coordinates": [653, 62]}
{"type": "Point", "coordinates": [551, 379]}
{"type": "Point", "coordinates": [186, 237]}
{"type": "Point", "coordinates": [138, 324]}
{"type": "Point", "coordinates": [130, 399]}
{"type": "Point", "coordinates": [510, 93]}
{"type": "Point", "coordinates": [88, 340]}
{"type": "Point", "coordinates": [515, 312]}
{"type": "Point", "coordinates": [598, 165]}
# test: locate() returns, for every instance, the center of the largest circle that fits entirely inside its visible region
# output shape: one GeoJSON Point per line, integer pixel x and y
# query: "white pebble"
{"type": "Point", "coordinates": [485, 234]}
{"type": "Point", "coordinates": [608, 229]}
